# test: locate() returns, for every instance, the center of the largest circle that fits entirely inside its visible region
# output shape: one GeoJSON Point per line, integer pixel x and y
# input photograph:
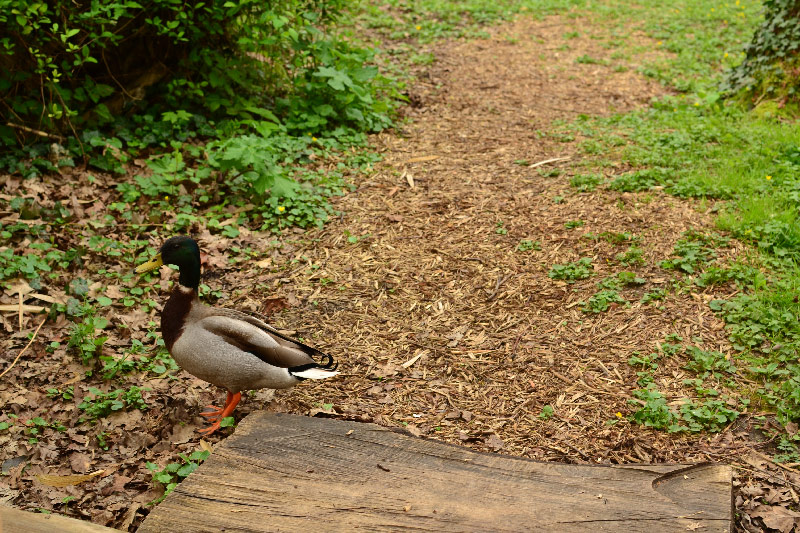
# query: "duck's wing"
{"type": "Point", "coordinates": [255, 336]}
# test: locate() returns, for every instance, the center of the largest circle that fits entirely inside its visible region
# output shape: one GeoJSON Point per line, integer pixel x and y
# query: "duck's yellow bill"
{"type": "Point", "coordinates": [153, 264]}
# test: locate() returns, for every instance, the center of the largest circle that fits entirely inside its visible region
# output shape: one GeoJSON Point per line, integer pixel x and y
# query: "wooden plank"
{"type": "Point", "coordinates": [18, 521]}
{"type": "Point", "coordinates": [290, 473]}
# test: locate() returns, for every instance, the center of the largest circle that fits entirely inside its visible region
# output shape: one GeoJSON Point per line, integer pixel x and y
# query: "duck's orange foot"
{"type": "Point", "coordinates": [210, 429]}
{"type": "Point", "coordinates": [217, 414]}
{"type": "Point", "coordinates": [213, 414]}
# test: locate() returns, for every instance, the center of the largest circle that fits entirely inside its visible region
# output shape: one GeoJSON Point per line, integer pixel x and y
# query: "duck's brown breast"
{"type": "Point", "coordinates": [173, 317]}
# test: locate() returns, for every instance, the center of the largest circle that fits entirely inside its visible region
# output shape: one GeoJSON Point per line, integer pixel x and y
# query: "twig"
{"type": "Point", "coordinates": [40, 133]}
{"type": "Point", "coordinates": [498, 283]}
{"type": "Point", "coordinates": [516, 344]}
{"type": "Point", "coordinates": [772, 461]}
{"type": "Point", "coordinates": [573, 448]}
{"type": "Point", "coordinates": [767, 474]}
{"type": "Point", "coordinates": [420, 159]}
{"type": "Point", "coordinates": [554, 160]}
{"type": "Point", "coordinates": [108, 70]}
{"type": "Point", "coordinates": [25, 348]}
{"type": "Point", "coordinates": [74, 133]}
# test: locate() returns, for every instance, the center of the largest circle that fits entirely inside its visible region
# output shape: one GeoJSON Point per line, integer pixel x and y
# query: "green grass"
{"type": "Point", "coordinates": [429, 20]}
{"type": "Point", "coordinates": [585, 182]}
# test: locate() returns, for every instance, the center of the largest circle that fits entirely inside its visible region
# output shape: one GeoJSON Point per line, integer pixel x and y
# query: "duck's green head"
{"type": "Point", "coordinates": [181, 251]}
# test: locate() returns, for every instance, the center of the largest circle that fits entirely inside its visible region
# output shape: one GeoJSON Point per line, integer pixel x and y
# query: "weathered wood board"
{"type": "Point", "coordinates": [294, 473]}
{"type": "Point", "coordinates": [18, 521]}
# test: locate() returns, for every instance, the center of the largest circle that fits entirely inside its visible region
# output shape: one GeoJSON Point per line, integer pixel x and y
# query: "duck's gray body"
{"type": "Point", "coordinates": [234, 350]}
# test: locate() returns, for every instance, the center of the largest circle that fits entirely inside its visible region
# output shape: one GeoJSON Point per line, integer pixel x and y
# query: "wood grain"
{"type": "Point", "coordinates": [290, 473]}
{"type": "Point", "coordinates": [17, 521]}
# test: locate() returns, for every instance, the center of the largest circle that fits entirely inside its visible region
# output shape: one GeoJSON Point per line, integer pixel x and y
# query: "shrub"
{"type": "Point", "coordinates": [71, 66]}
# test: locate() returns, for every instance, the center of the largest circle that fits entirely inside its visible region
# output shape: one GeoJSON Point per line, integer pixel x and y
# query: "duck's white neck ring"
{"type": "Point", "coordinates": [185, 290]}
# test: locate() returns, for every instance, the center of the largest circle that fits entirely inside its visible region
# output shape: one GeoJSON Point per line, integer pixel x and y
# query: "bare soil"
{"type": "Point", "coordinates": [440, 324]}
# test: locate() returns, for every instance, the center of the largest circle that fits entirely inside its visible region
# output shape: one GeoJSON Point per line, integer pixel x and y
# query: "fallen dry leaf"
{"type": "Point", "coordinates": [182, 433]}
{"type": "Point", "coordinates": [779, 518]}
{"type": "Point", "coordinates": [119, 483]}
{"type": "Point", "coordinates": [114, 292]}
{"type": "Point", "coordinates": [414, 359]}
{"type": "Point", "coordinates": [19, 286]}
{"type": "Point", "coordinates": [271, 306]}
{"type": "Point", "coordinates": [80, 462]}
{"type": "Point", "coordinates": [494, 442]}
{"type": "Point", "coordinates": [53, 480]}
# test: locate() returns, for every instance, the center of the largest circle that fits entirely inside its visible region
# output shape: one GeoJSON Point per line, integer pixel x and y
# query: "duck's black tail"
{"type": "Point", "coordinates": [322, 370]}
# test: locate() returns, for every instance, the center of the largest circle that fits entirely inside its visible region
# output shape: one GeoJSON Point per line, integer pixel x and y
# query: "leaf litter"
{"type": "Point", "coordinates": [441, 325]}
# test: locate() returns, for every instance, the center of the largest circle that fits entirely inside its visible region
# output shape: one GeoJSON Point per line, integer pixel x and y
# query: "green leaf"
{"type": "Point", "coordinates": [262, 183]}
{"type": "Point", "coordinates": [263, 113]}
{"type": "Point", "coordinates": [283, 187]}
{"type": "Point", "coordinates": [79, 287]}
{"type": "Point", "coordinates": [199, 455]}
{"type": "Point", "coordinates": [354, 114]}
{"type": "Point", "coordinates": [187, 469]}
{"type": "Point", "coordinates": [163, 477]}
{"type": "Point", "coordinates": [337, 79]}
{"type": "Point", "coordinates": [364, 74]}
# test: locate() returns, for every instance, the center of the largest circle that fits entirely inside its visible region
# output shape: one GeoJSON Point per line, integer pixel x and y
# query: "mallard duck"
{"type": "Point", "coordinates": [225, 347]}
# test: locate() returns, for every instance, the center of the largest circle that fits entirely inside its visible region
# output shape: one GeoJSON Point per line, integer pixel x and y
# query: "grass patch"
{"type": "Point", "coordinates": [571, 272]}
{"type": "Point", "coordinates": [692, 251]}
{"type": "Point", "coordinates": [572, 224]}
{"type": "Point", "coordinates": [601, 301]}
{"type": "Point", "coordinates": [585, 182]}
{"type": "Point", "coordinates": [526, 245]}
{"type": "Point", "coordinates": [634, 255]}
{"type": "Point", "coordinates": [704, 408]}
